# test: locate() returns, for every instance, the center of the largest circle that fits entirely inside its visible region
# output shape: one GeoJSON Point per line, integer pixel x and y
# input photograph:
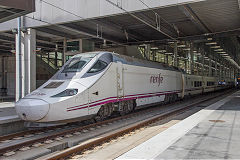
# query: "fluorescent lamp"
{"type": "Point", "coordinates": [186, 49]}
{"type": "Point", "coordinates": [182, 45]}
{"type": "Point", "coordinates": [216, 50]}
{"type": "Point", "coordinates": [215, 47]}
{"type": "Point", "coordinates": [211, 43]}
{"type": "Point", "coordinates": [222, 52]}
{"type": "Point", "coordinates": [162, 51]}
{"type": "Point", "coordinates": [168, 53]}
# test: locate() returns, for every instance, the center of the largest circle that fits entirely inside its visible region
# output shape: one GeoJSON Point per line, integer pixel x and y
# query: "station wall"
{"type": "Point", "coordinates": [7, 75]}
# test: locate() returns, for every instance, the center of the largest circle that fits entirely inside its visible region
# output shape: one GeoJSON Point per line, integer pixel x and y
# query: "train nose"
{"type": "Point", "coordinates": [32, 109]}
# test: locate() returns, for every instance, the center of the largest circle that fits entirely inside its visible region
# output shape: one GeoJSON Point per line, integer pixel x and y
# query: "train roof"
{"type": "Point", "coordinates": [144, 63]}
{"type": "Point", "coordinates": [134, 61]}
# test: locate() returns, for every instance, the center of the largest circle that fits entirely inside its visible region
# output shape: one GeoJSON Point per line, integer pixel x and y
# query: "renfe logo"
{"type": "Point", "coordinates": [156, 79]}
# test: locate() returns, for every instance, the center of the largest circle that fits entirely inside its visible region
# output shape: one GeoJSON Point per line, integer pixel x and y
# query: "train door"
{"type": "Point", "coordinates": [120, 84]}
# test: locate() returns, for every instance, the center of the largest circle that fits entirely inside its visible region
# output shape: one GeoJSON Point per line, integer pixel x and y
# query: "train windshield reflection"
{"type": "Point", "coordinates": [76, 64]}
{"type": "Point", "coordinates": [73, 66]}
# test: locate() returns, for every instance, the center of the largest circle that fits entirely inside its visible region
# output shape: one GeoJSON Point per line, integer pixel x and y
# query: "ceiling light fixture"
{"type": "Point", "coordinates": [186, 49]}
{"type": "Point", "coordinates": [162, 51]}
{"type": "Point", "coordinates": [215, 47]}
{"type": "Point", "coordinates": [222, 52]}
{"type": "Point", "coordinates": [209, 39]}
{"type": "Point", "coordinates": [216, 50]}
{"type": "Point", "coordinates": [211, 43]}
{"type": "Point", "coordinates": [182, 45]}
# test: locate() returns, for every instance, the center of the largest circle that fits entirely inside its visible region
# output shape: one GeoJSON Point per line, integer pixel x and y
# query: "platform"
{"type": "Point", "coordinates": [212, 133]}
{"type": "Point", "coordinates": [9, 120]}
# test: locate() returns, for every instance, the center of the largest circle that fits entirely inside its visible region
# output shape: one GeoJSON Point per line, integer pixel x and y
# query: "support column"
{"type": "Point", "coordinates": [175, 55]}
{"type": "Point", "coordinates": [210, 67]}
{"type": "Point", "coordinates": [185, 64]}
{"type": "Point", "coordinates": [154, 55]}
{"type": "Point", "coordinates": [203, 72]}
{"type": "Point", "coordinates": [216, 67]}
{"type": "Point", "coordinates": [64, 51]}
{"type": "Point", "coordinates": [147, 51]}
{"type": "Point", "coordinates": [81, 45]}
{"type": "Point", "coordinates": [191, 58]}
{"type": "Point", "coordinates": [220, 69]}
{"type": "Point", "coordinates": [230, 71]}
{"type": "Point", "coordinates": [166, 56]}
{"type": "Point", "coordinates": [197, 69]}
{"type": "Point", "coordinates": [18, 62]}
{"type": "Point", "coordinates": [224, 72]}
{"type": "Point", "coordinates": [56, 59]}
{"type": "Point", "coordinates": [26, 64]}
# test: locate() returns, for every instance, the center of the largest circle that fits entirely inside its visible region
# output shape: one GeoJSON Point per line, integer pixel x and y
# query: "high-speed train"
{"type": "Point", "coordinates": [96, 84]}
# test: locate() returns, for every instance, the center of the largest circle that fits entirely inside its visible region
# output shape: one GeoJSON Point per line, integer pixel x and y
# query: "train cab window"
{"type": "Point", "coordinates": [98, 66]}
{"type": "Point", "coordinates": [75, 65]}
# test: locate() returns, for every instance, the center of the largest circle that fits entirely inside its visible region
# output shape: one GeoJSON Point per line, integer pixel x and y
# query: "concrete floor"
{"type": "Point", "coordinates": [212, 133]}
{"type": "Point", "coordinates": [216, 137]}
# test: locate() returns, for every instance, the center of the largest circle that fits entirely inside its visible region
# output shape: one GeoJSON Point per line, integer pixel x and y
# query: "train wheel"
{"type": "Point", "coordinates": [175, 97]}
{"type": "Point", "coordinates": [104, 112]}
{"type": "Point", "coordinates": [100, 114]}
{"type": "Point", "coordinates": [167, 99]}
{"type": "Point", "coordinates": [130, 106]}
{"type": "Point", "coordinates": [123, 107]}
{"type": "Point", "coordinates": [127, 107]}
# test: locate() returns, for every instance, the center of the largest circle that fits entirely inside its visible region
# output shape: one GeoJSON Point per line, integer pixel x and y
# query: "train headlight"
{"type": "Point", "coordinates": [67, 92]}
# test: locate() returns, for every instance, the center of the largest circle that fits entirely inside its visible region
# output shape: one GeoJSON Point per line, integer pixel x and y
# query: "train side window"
{"type": "Point", "coordinates": [98, 66]}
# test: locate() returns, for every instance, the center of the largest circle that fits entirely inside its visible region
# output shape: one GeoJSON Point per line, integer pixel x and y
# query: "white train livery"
{"type": "Point", "coordinates": [95, 84]}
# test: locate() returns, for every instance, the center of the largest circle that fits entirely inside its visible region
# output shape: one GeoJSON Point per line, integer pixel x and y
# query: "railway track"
{"type": "Point", "coordinates": [133, 122]}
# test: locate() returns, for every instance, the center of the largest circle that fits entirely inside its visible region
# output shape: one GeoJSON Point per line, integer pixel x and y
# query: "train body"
{"type": "Point", "coordinates": [96, 84]}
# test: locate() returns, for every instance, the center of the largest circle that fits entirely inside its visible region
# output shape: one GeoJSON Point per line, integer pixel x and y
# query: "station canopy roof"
{"type": "Point", "coordinates": [185, 22]}
{"type": "Point", "coordinates": [10, 9]}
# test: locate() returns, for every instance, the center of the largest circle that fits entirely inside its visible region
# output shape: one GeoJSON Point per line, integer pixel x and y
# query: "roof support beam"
{"type": "Point", "coordinates": [213, 35]}
{"type": "Point", "coordinates": [161, 27]}
{"type": "Point", "coordinates": [40, 40]}
{"type": "Point", "coordinates": [187, 10]}
{"type": "Point", "coordinates": [67, 27]}
{"type": "Point", "coordinates": [116, 28]}
{"type": "Point", "coordinates": [57, 33]}
{"type": "Point", "coordinates": [141, 20]}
